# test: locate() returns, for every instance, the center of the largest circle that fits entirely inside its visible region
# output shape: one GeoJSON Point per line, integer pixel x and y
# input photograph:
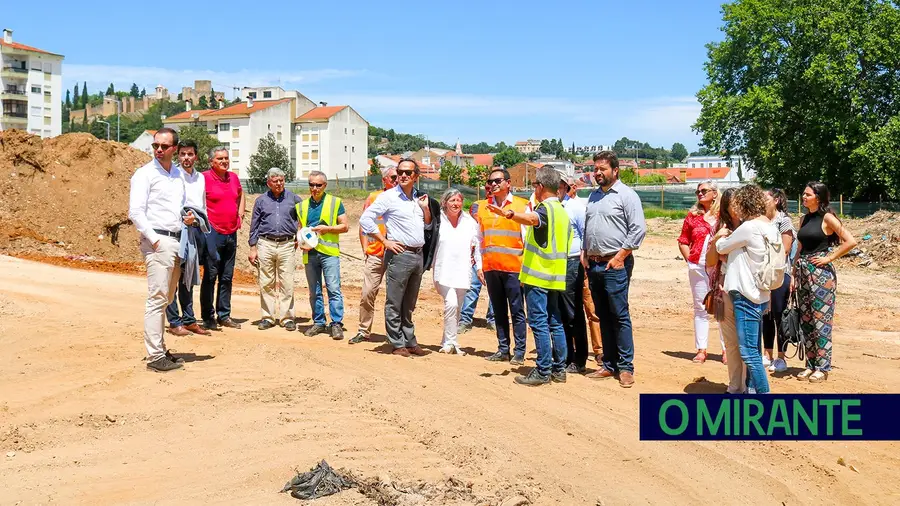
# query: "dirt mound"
{"type": "Point", "coordinates": [67, 196]}
{"type": "Point", "coordinates": [879, 239]}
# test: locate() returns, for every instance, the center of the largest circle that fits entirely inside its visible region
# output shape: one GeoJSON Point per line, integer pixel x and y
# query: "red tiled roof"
{"type": "Point", "coordinates": [16, 45]}
{"type": "Point", "coordinates": [487, 160]}
{"type": "Point", "coordinates": [151, 132]}
{"type": "Point", "coordinates": [189, 114]}
{"type": "Point", "coordinates": [708, 173]}
{"type": "Point", "coordinates": [322, 112]}
{"type": "Point", "coordinates": [244, 108]}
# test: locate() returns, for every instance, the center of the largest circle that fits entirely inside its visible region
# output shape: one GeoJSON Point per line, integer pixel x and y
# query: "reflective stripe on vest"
{"type": "Point", "coordinates": [329, 244]}
{"type": "Point", "coordinates": [501, 243]}
{"type": "Point", "coordinates": [546, 267]}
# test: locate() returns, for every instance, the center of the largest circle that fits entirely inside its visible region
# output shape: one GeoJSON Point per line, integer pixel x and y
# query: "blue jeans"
{"type": "Point", "coordinates": [467, 313]}
{"type": "Point", "coordinates": [317, 265]}
{"type": "Point", "coordinates": [220, 253]}
{"type": "Point", "coordinates": [506, 297]}
{"type": "Point", "coordinates": [545, 320]}
{"type": "Point", "coordinates": [748, 321]}
{"type": "Point", "coordinates": [609, 289]}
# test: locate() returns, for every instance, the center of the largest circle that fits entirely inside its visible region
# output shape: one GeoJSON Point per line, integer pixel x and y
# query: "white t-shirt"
{"type": "Point", "coordinates": [453, 258]}
{"type": "Point", "coordinates": [195, 189]}
{"type": "Point", "coordinates": [746, 250]}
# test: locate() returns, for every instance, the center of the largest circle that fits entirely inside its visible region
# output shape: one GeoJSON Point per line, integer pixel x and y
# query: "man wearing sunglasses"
{"type": "Point", "coordinates": [156, 199]}
{"type": "Point", "coordinates": [502, 244]}
{"type": "Point", "coordinates": [325, 215]}
{"type": "Point", "coordinates": [406, 215]}
{"type": "Point", "coordinates": [373, 272]}
{"type": "Point", "coordinates": [226, 208]}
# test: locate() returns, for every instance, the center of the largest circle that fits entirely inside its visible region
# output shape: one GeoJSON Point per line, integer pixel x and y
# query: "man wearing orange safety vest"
{"type": "Point", "coordinates": [373, 271]}
{"type": "Point", "coordinates": [502, 244]}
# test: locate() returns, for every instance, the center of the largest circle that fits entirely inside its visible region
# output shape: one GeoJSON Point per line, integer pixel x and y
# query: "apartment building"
{"type": "Point", "coordinates": [529, 146]}
{"type": "Point", "coordinates": [240, 127]}
{"type": "Point", "coordinates": [331, 139]}
{"type": "Point", "coordinates": [30, 88]}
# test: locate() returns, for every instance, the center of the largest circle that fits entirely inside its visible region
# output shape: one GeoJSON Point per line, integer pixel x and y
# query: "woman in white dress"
{"type": "Point", "coordinates": [457, 249]}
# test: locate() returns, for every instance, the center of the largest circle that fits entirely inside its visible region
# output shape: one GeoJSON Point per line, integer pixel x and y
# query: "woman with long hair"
{"type": "Point", "coordinates": [457, 248]}
{"type": "Point", "coordinates": [823, 239]}
{"type": "Point", "coordinates": [746, 249]}
{"type": "Point", "coordinates": [776, 210]}
{"type": "Point", "coordinates": [693, 241]}
{"type": "Point", "coordinates": [728, 219]}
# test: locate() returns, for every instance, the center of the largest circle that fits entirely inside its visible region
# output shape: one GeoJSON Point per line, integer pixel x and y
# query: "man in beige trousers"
{"type": "Point", "coordinates": [273, 245]}
{"type": "Point", "coordinates": [156, 199]}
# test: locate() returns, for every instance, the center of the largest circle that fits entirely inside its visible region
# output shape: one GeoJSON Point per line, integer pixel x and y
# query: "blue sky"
{"type": "Point", "coordinates": [589, 72]}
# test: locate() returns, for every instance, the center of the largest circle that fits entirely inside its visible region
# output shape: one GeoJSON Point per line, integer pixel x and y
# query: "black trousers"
{"type": "Point", "coordinates": [771, 322]}
{"type": "Point", "coordinates": [221, 251]}
{"type": "Point", "coordinates": [573, 313]}
{"type": "Point", "coordinates": [506, 297]}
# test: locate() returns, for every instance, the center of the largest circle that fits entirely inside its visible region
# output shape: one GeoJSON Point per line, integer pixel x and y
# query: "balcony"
{"type": "Point", "coordinates": [14, 73]}
{"type": "Point", "coordinates": [13, 94]}
{"type": "Point", "coordinates": [19, 117]}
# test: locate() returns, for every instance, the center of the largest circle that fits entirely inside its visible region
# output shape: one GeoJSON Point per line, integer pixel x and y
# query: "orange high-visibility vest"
{"type": "Point", "coordinates": [501, 244]}
{"type": "Point", "coordinates": [375, 247]}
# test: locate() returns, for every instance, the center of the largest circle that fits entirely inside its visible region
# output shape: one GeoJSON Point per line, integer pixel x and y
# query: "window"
{"type": "Point", "coordinates": [37, 111]}
{"type": "Point", "coordinates": [235, 133]}
{"type": "Point", "coordinates": [267, 94]}
{"type": "Point", "coordinates": [269, 127]}
{"type": "Point", "coordinates": [47, 111]}
{"type": "Point", "coordinates": [304, 156]}
{"type": "Point", "coordinates": [35, 89]}
{"type": "Point", "coordinates": [353, 149]}
{"type": "Point", "coordinates": [315, 154]}
{"type": "Point", "coordinates": [47, 133]}
{"type": "Point", "coordinates": [278, 136]}
{"type": "Point", "coordinates": [315, 137]}
{"type": "Point", "coordinates": [48, 67]}
{"type": "Point", "coordinates": [345, 166]}
{"type": "Point", "coordinates": [235, 153]}
{"type": "Point", "coordinates": [224, 127]}
{"type": "Point", "coordinates": [252, 95]}
{"type": "Point", "coordinates": [693, 165]}
{"type": "Point", "coordinates": [47, 76]}
{"type": "Point", "coordinates": [345, 149]}
{"type": "Point", "coordinates": [352, 166]}
{"type": "Point", "coordinates": [48, 99]}
{"type": "Point", "coordinates": [353, 132]}
{"type": "Point", "coordinates": [47, 121]}
{"type": "Point", "coordinates": [345, 130]}
{"type": "Point", "coordinates": [305, 137]}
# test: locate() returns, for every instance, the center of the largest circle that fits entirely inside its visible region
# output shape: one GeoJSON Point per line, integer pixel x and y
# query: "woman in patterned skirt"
{"type": "Point", "coordinates": [815, 279]}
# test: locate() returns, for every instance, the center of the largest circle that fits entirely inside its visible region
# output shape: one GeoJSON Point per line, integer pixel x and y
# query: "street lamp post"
{"type": "Point", "coordinates": [107, 127]}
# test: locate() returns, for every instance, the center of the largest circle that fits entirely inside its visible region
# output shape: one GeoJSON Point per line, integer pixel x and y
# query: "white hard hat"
{"type": "Point", "coordinates": [307, 238]}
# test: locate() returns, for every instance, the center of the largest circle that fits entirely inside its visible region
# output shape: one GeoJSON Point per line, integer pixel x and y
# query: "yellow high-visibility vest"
{"type": "Point", "coordinates": [329, 244]}
{"type": "Point", "coordinates": [545, 267]}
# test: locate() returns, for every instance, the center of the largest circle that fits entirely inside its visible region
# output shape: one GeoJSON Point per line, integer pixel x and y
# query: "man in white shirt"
{"type": "Point", "coordinates": [155, 203]}
{"type": "Point", "coordinates": [185, 323]}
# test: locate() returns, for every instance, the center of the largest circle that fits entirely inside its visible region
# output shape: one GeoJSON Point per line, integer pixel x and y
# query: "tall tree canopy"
{"type": "Point", "coordinates": [808, 91]}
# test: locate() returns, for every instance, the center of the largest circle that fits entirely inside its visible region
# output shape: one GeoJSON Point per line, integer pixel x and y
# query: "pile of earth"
{"type": "Point", "coordinates": [879, 239]}
{"type": "Point", "coordinates": [67, 196]}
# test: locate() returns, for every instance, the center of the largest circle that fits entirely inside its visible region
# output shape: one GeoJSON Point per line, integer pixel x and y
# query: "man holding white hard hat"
{"type": "Point", "coordinates": [323, 215]}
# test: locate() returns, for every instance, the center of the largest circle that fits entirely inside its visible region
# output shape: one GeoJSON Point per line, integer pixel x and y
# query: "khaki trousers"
{"type": "Point", "coordinates": [737, 370]}
{"type": "Point", "coordinates": [277, 262]}
{"type": "Point", "coordinates": [593, 321]}
{"type": "Point", "coordinates": [163, 273]}
{"type": "Point", "coordinates": [372, 277]}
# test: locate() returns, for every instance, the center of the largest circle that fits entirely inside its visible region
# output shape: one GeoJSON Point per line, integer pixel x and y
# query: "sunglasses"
{"type": "Point", "coordinates": [392, 178]}
{"type": "Point", "coordinates": [164, 147]}
{"type": "Point", "coordinates": [495, 181]}
{"type": "Point", "coordinates": [316, 185]}
{"type": "Point", "coordinates": [407, 173]}
{"type": "Point", "coordinates": [703, 192]}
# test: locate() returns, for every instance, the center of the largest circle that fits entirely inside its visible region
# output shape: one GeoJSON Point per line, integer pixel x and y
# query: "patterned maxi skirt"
{"type": "Point", "coordinates": [816, 293]}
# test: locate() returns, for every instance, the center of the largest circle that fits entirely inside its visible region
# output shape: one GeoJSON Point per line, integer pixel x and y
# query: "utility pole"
{"type": "Point", "coordinates": [107, 127]}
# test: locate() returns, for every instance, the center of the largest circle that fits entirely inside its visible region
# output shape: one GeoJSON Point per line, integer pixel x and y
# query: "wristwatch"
{"type": "Point", "coordinates": [508, 214]}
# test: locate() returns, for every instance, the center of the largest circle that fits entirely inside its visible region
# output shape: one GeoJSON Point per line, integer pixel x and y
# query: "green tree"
{"type": "Point", "coordinates": [807, 90]}
{"type": "Point", "coordinates": [374, 167]}
{"type": "Point", "coordinates": [205, 142]}
{"type": "Point", "coordinates": [451, 173]}
{"type": "Point", "coordinates": [68, 104]}
{"type": "Point", "coordinates": [545, 146]}
{"type": "Point", "coordinates": [679, 152]}
{"type": "Point", "coordinates": [508, 157]}
{"type": "Point", "coordinates": [111, 90]}
{"type": "Point", "coordinates": [213, 103]}
{"type": "Point", "coordinates": [134, 91]}
{"type": "Point", "coordinates": [143, 93]}
{"type": "Point", "coordinates": [476, 175]}
{"type": "Point", "coordinates": [76, 100]}
{"type": "Point", "coordinates": [201, 103]}
{"type": "Point", "coordinates": [654, 179]}
{"type": "Point", "coordinates": [628, 176]}
{"type": "Point", "coordinates": [85, 97]}
{"type": "Point", "coordinates": [269, 154]}
{"type": "Point", "coordinates": [84, 119]}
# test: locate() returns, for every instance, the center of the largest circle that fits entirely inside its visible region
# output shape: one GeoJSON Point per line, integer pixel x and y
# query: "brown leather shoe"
{"type": "Point", "coordinates": [417, 351]}
{"type": "Point", "coordinates": [228, 322]}
{"type": "Point", "coordinates": [197, 329]}
{"type": "Point", "coordinates": [603, 373]}
{"type": "Point", "coordinates": [178, 331]}
{"type": "Point", "coordinates": [626, 379]}
{"type": "Point", "coordinates": [403, 352]}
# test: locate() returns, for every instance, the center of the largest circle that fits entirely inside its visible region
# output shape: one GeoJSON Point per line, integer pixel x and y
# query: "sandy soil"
{"type": "Point", "coordinates": [83, 422]}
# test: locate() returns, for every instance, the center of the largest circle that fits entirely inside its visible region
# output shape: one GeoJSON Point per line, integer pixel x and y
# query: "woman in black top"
{"type": "Point", "coordinates": [815, 278]}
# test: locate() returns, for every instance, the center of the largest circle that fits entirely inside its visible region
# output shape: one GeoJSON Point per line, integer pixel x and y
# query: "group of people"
{"type": "Point", "coordinates": [553, 262]}
{"type": "Point", "coordinates": [727, 240]}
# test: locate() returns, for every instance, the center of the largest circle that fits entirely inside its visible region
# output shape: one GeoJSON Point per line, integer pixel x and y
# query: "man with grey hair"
{"type": "Point", "coordinates": [226, 208]}
{"type": "Point", "coordinates": [273, 230]}
{"type": "Point", "coordinates": [373, 271]}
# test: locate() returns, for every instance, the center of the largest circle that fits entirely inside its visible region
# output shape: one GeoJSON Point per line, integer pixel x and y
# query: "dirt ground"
{"type": "Point", "coordinates": [83, 422]}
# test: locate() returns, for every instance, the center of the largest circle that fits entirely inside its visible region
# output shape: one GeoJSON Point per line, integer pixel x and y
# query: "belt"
{"type": "Point", "coordinates": [277, 238]}
{"type": "Point", "coordinates": [598, 258]}
{"type": "Point", "coordinates": [176, 235]}
{"type": "Point", "coordinates": [412, 249]}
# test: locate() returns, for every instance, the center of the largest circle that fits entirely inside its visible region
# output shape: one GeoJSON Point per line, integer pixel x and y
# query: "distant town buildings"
{"type": "Point", "coordinates": [202, 88]}
{"type": "Point", "coordinates": [30, 88]}
{"type": "Point", "coordinates": [592, 150]}
{"type": "Point", "coordinates": [529, 146]}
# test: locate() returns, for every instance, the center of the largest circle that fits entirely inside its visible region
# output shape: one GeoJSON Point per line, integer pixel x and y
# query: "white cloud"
{"type": "Point", "coordinates": [98, 76]}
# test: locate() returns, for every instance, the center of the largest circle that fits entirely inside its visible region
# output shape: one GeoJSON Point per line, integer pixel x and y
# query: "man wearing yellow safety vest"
{"type": "Point", "coordinates": [375, 267]}
{"type": "Point", "coordinates": [325, 215]}
{"type": "Point", "coordinates": [543, 275]}
{"type": "Point", "coordinates": [502, 243]}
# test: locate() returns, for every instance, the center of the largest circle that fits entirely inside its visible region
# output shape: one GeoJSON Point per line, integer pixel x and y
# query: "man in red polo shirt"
{"type": "Point", "coordinates": [225, 207]}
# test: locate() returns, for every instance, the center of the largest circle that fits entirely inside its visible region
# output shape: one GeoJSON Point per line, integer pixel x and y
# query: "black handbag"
{"type": "Point", "coordinates": [790, 323]}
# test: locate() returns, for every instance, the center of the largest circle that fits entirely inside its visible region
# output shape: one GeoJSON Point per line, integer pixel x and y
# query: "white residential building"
{"type": "Point", "coordinates": [331, 139]}
{"type": "Point", "coordinates": [30, 88]}
{"type": "Point", "coordinates": [529, 146]}
{"type": "Point", "coordinates": [240, 127]}
{"type": "Point", "coordinates": [709, 162]}
{"type": "Point", "coordinates": [144, 141]}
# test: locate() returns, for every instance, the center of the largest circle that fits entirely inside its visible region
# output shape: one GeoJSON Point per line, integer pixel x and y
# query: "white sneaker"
{"type": "Point", "coordinates": [779, 365]}
{"type": "Point", "coordinates": [766, 361]}
{"type": "Point", "coordinates": [446, 349]}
